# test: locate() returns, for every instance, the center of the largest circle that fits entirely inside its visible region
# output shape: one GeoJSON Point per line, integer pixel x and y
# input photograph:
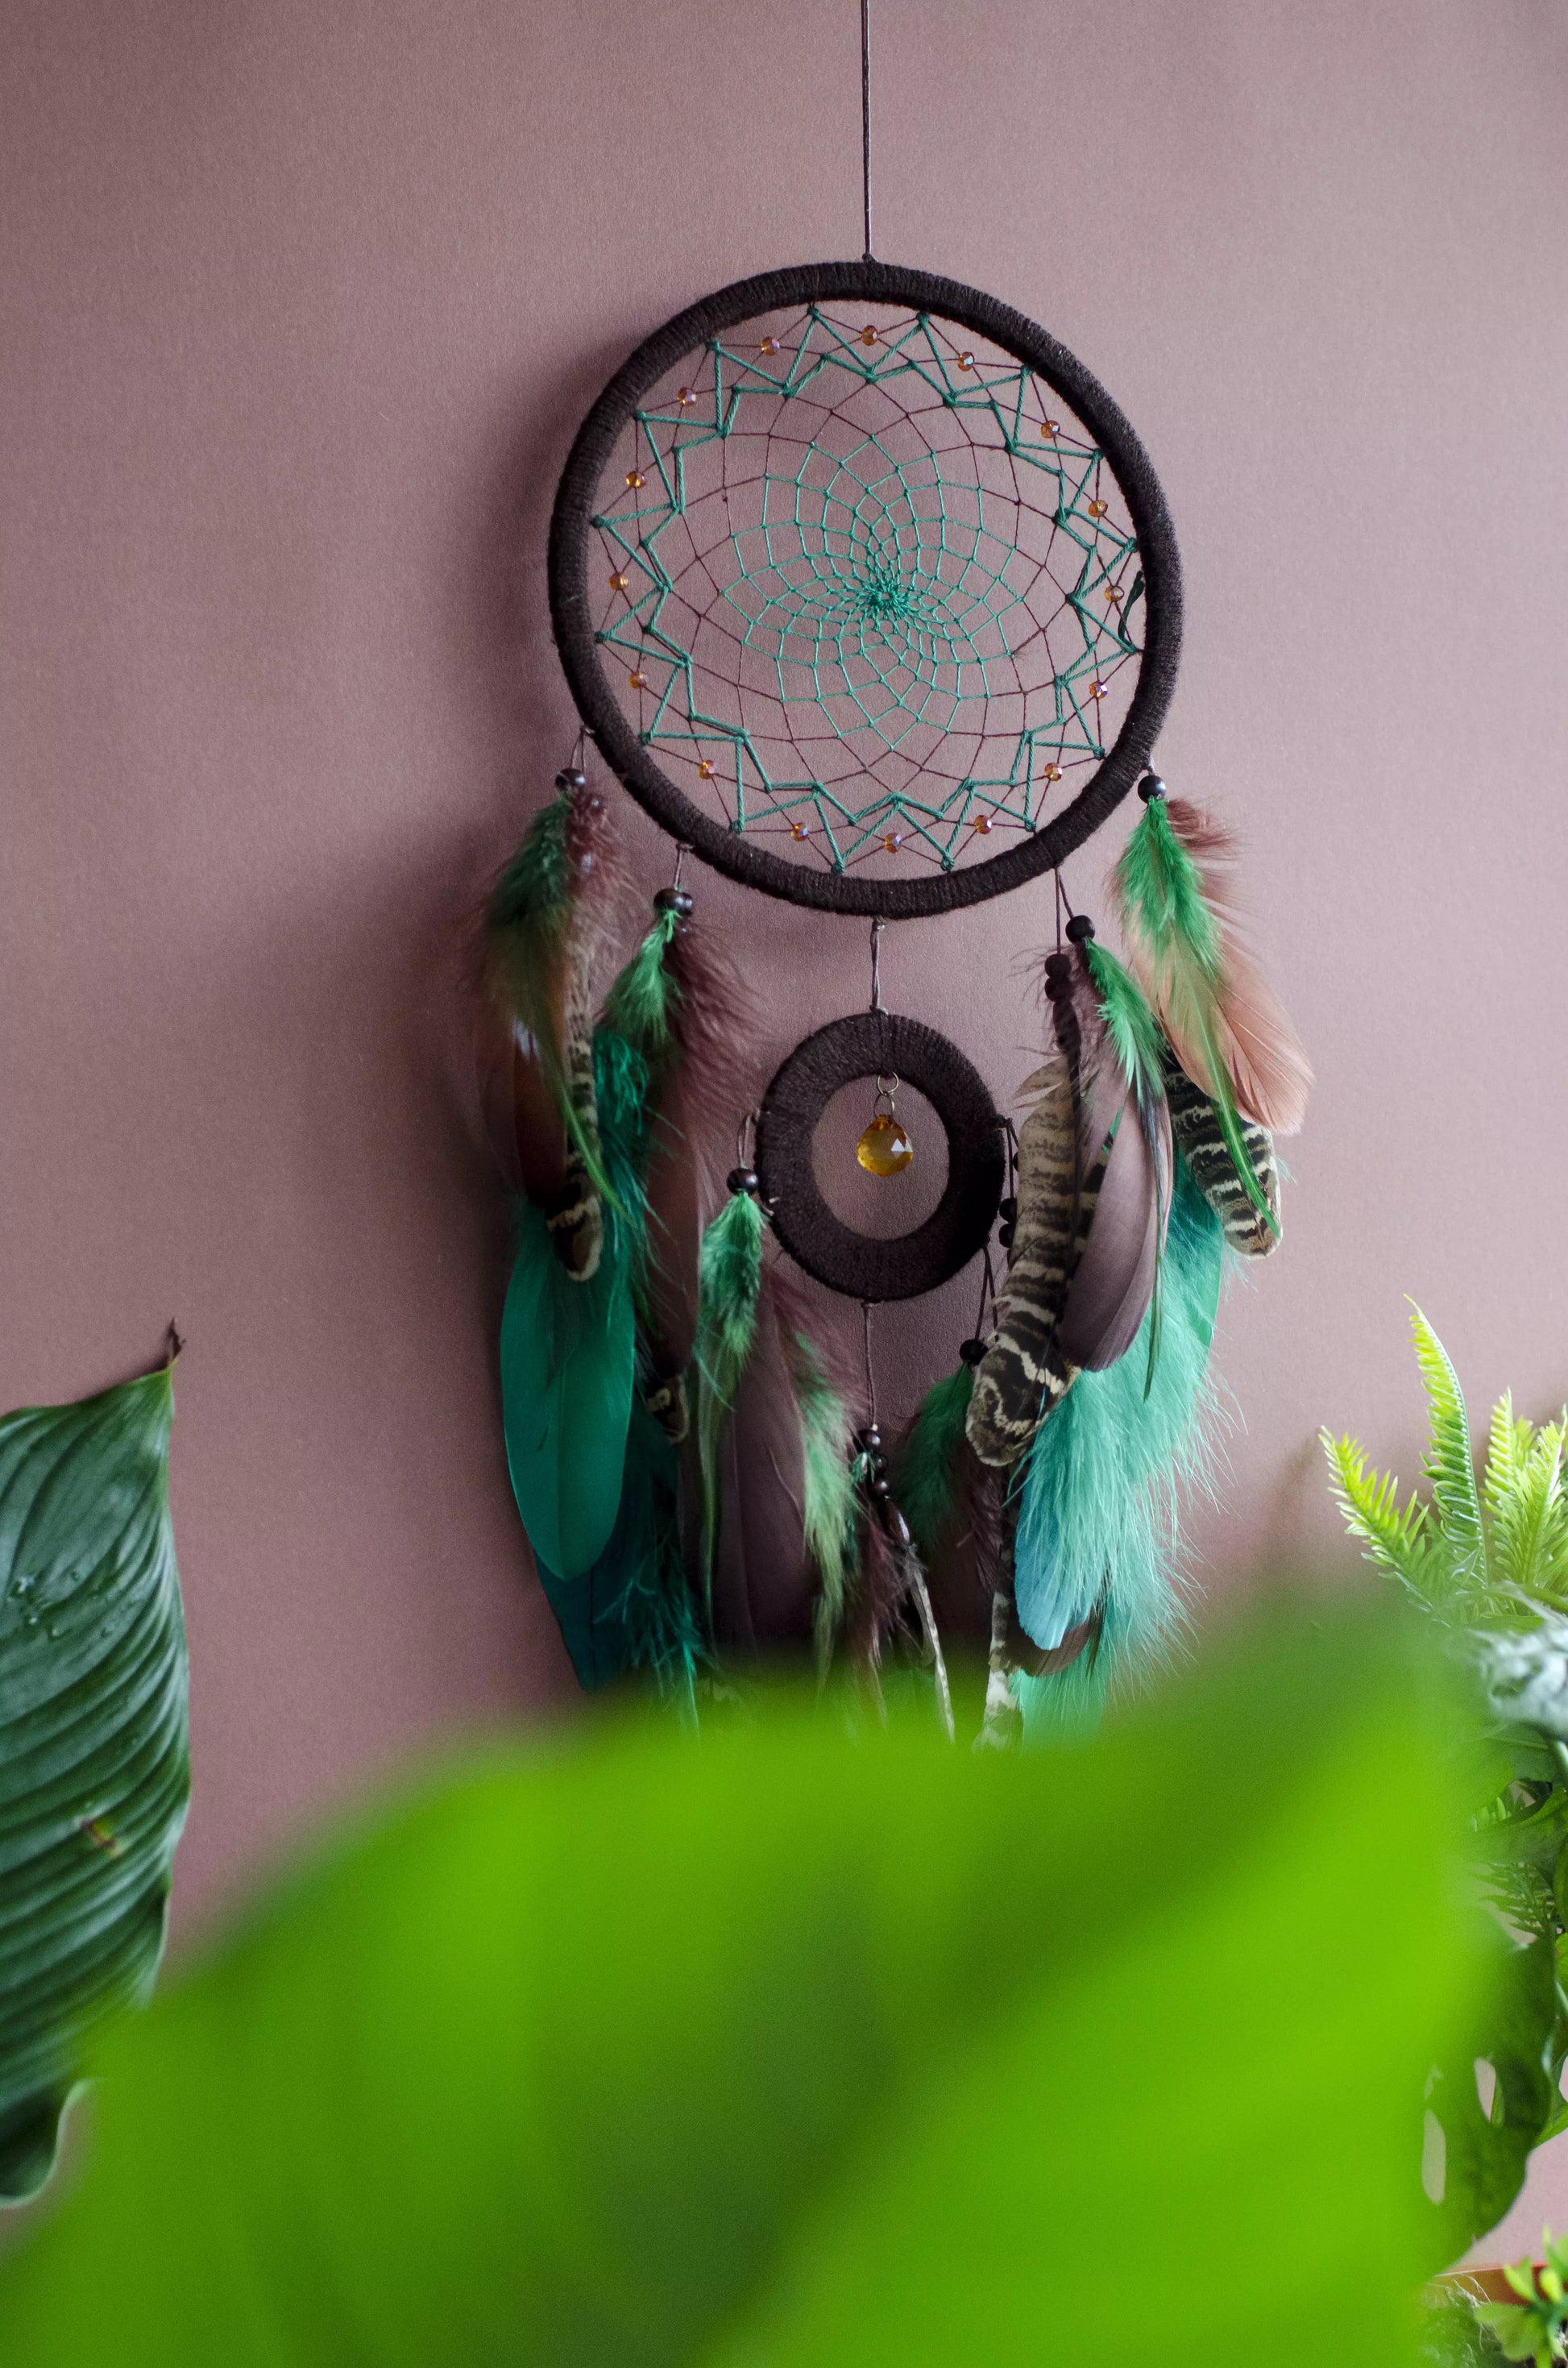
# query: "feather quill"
{"type": "Point", "coordinates": [1226, 1029]}
{"type": "Point", "coordinates": [543, 926]}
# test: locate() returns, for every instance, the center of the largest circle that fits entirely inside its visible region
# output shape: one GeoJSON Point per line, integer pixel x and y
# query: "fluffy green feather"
{"type": "Point", "coordinates": [729, 1283]}
{"type": "Point", "coordinates": [924, 1479]}
{"type": "Point", "coordinates": [1160, 890]}
{"type": "Point", "coordinates": [1096, 1520]}
{"type": "Point", "coordinates": [828, 1523]}
{"type": "Point", "coordinates": [621, 1084]}
{"type": "Point", "coordinates": [1129, 1023]}
{"type": "Point", "coordinates": [641, 1003]}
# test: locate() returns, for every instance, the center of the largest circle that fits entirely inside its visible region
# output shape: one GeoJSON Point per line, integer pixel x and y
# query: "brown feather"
{"type": "Point", "coordinates": [1113, 1279]}
{"type": "Point", "coordinates": [1268, 1070]}
{"type": "Point", "coordinates": [762, 1585]}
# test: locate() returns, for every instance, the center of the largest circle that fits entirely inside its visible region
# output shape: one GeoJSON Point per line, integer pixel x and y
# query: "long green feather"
{"type": "Point", "coordinates": [1161, 892]}
{"type": "Point", "coordinates": [1096, 1520]}
{"type": "Point", "coordinates": [828, 1492]}
{"type": "Point", "coordinates": [925, 1475]}
{"type": "Point", "coordinates": [568, 1367]}
{"type": "Point", "coordinates": [729, 1283]}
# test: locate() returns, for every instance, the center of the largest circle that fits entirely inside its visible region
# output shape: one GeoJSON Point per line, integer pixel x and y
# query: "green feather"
{"type": "Point", "coordinates": [1132, 1026]}
{"type": "Point", "coordinates": [620, 1087]}
{"type": "Point", "coordinates": [926, 1468]}
{"type": "Point", "coordinates": [1095, 1508]}
{"type": "Point", "coordinates": [568, 1366]}
{"type": "Point", "coordinates": [641, 1004]}
{"type": "Point", "coordinates": [729, 1283]}
{"type": "Point", "coordinates": [528, 922]}
{"type": "Point", "coordinates": [828, 1493]}
{"type": "Point", "coordinates": [1160, 893]}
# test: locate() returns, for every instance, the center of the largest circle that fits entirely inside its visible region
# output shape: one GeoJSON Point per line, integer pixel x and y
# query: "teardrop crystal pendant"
{"type": "Point", "coordinates": [885, 1147]}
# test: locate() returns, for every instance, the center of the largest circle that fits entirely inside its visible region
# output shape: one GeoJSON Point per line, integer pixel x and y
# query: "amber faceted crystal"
{"type": "Point", "coordinates": [885, 1147]}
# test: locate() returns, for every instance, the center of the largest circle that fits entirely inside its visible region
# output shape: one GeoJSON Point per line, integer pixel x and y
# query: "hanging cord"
{"type": "Point", "coordinates": [866, 119]}
{"type": "Point", "coordinates": [877, 966]}
{"type": "Point", "coordinates": [870, 1369]}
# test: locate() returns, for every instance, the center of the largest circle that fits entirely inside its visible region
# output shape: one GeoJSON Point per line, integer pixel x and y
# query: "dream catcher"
{"type": "Point", "coordinates": [866, 592]}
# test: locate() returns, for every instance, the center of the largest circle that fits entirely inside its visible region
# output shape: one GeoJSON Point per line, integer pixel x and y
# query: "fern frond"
{"type": "Point", "coordinates": [1407, 1543]}
{"type": "Point", "coordinates": [1529, 1521]}
{"type": "Point", "coordinates": [1507, 1444]}
{"type": "Point", "coordinates": [1450, 1461]}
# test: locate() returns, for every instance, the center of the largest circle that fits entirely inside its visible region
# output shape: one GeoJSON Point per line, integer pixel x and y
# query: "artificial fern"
{"type": "Point", "coordinates": [1472, 1552]}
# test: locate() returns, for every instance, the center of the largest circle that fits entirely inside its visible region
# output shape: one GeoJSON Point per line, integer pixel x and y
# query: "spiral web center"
{"type": "Point", "coordinates": [868, 588]}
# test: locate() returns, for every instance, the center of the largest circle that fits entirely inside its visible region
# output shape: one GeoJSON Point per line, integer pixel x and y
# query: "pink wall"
{"type": "Point", "coordinates": [302, 303]}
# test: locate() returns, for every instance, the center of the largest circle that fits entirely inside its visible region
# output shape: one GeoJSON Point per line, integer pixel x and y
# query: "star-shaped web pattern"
{"type": "Point", "coordinates": [868, 588]}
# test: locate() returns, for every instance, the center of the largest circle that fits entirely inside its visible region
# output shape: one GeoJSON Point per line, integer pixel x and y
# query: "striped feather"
{"type": "Point", "coordinates": [1201, 1140]}
{"type": "Point", "coordinates": [1022, 1375]}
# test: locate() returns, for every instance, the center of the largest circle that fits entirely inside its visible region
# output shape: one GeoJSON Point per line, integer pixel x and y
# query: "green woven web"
{"type": "Point", "coordinates": [868, 588]}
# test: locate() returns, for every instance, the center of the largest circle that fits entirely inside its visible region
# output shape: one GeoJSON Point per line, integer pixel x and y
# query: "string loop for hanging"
{"type": "Point", "coordinates": [866, 120]}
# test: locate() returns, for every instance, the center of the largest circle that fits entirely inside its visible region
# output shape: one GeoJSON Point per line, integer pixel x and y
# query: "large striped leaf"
{"type": "Point", "coordinates": [93, 1773]}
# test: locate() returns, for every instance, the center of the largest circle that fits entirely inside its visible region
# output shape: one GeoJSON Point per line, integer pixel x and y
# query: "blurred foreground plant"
{"type": "Point", "coordinates": [772, 2049]}
{"type": "Point", "coordinates": [1535, 2327]}
{"type": "Point", "coordinates": [1487, 1564]}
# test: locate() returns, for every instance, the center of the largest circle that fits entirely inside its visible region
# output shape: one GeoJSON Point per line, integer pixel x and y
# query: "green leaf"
{"type": "Point", "coordinates": [94, 1775]}
{"type": "Point", "coordinates": [1517, 2034]}
{"type": "Point", "coordinates": [770, 2050]}
{"type": "Point", "coordinates": [1450, 1461]}
{"type": "Point", "coordinates": [1407, 1543]}
{"type": "Point", "coordinates": [1529, 1520]}
{"type": "Point", "coordinates": [1507, 1444]}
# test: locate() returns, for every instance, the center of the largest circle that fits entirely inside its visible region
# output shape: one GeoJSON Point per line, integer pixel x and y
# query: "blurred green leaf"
{"type": "Point", "coordinates": [772, 2049]}
{"type": "Point", "coordinates": [93, 1764]}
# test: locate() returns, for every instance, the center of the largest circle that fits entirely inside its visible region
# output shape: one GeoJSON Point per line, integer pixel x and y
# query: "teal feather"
{"type": "Point", "coordinates": [1095, 1521]}
{"type": "Point", "coordinates": [633, 1608]}
{"type": "Point", "coordinates": [568, 1369]}
{"type": "Point", "coordinates": [620, 1086]}
{"type": "Point", "coordinates": [729, 1285]}
{"type": "Point", "coordinates": [926, 1467]}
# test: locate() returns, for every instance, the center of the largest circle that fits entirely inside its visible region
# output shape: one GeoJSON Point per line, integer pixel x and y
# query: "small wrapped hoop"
{"type": "Point", "coordinates": [871, 1044]}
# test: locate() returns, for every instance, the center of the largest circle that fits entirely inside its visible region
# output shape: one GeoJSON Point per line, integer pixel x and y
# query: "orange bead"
{"type": "Point", "coordinates": [1052, 773]}
{"type": "Point", "coordinates": [893, 840]}
{"type": "Point", "coordinates": [634, 478]}
{"type": "Point", "coordinates": [966, 361]}
{"type": "Point", "coordinates": [617, 583]}
{"type": "Point", "coordinates": [984, 824]}
{"type": "Point", "coordinates": [1097, 688]}
{"type": "Point", "coordinates": [1098, 509]}
{"type": "Point", "coordinates": [1113, 593]}
{"type": "Point", "coordinates": [868, 335]}
{"type": "Point", "coordinates": [686, 396]}
{"type": "Point", "coordinates": [769, 346]}
{"type": "Point", "coordinates": [705, 771]}
{"type": "Point", "coordinates": [800, 830]}
{"type": "Point", "coordinates": [1050, 429]}
{"type": "Point", "coordinates": [638, 679]}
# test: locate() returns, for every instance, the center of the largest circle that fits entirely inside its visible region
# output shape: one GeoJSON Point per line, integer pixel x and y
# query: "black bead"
{"type": "Point", "coordinates": [971, 1351]}
{"type": "Point", "coordinates": [1151, 786]}
{"type": "Point", "coordinates": [572, 779]}
{"type": "Point", "coordinates": [895, 1526]}
{"type": "Point", "coordinates": [1007, 1209]}
{"type": "Point", "coordinates": [676, 900]}
{"type": "Point", "coordinates": [1058, 977]}
{"type": "Point", "coordinates": [877, 1486]}
{"type": "Point", "coordinates": [869, 1439]}
{"type": "Point", "coordinates": [1004, 1235]}
{"type": "Point", "coordinates": [742, 1179]}
{"type": "Point", "coordinates": [879, 1461]}
{"type": "Point", "coordinates": [1080, 929]}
